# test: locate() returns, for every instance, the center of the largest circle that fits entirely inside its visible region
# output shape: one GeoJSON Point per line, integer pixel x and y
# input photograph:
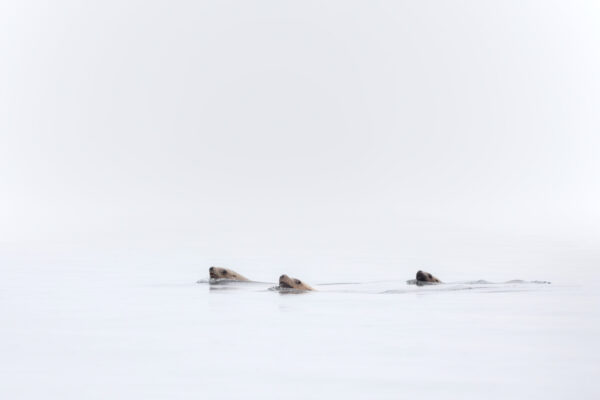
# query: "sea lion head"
{"type": "Point", "coordinates": [426, 277]}
{"type": "Point", "coordinates": [285, 282]}
{"type": "Point", "coordinates": [224, 273]}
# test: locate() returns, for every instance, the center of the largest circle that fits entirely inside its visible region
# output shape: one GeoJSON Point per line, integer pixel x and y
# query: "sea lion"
{"type": "Point", "coordinates": [224, 273]}
{"type": "Point", "coordinates": [426, 277]}
{"type": "Point", "coordinates": [285, 282]}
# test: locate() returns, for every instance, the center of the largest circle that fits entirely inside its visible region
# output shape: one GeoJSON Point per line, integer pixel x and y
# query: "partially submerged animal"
{"type": "Point", "coordinates": [426, 277]}
{"type": "Point", "coordinates": [285, 282]}
{"type": "Point", "coordinates": [224, 273]}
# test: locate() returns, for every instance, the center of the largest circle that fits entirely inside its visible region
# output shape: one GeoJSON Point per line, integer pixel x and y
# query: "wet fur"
{"type": "Point", "coordinates": [285, 282]}
{"type": "Point", "coordinates": [224, 273]}
{"type": "Point", "coordinates": [426, 277]}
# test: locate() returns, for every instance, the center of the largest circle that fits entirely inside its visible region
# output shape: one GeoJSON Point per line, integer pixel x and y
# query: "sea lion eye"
{"type": "Point", "coordinates": [298, 281]}
{"type": "Point", "coordinates": [224, 272]}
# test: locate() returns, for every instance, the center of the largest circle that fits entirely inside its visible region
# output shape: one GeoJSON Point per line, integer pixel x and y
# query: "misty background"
{"type": "Point", "coordinates": [444, 133]}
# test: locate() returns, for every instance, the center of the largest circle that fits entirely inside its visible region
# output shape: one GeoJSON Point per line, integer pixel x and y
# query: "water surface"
{"type": "Point", "coordinates": [81, 328]}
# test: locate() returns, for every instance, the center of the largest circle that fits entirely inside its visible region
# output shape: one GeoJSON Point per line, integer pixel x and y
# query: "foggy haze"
{"type": "Point", "coordinates": [348, 144]}
{"type": "Point", "coordinates": [378, 127]}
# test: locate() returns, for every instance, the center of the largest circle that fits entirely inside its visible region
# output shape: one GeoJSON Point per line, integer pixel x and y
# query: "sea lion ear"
{"type": "Point", "coordinates": [298, 282]}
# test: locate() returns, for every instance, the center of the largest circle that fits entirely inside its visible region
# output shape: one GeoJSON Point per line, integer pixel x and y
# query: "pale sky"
{"type": "Point", "coordinates": [303, 122]}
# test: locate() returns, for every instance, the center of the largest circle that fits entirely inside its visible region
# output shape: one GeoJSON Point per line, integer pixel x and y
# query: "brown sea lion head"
{"type": "Point", "coordinates": [224, 273]}
{"type": "Point", "coordinates": [285, 282]}
{"type": "Point", "coordinates": [423, 276]}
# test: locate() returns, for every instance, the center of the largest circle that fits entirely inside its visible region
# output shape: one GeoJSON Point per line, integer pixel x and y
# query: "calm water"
{"type": "Point", "coordinates": [78, 327]}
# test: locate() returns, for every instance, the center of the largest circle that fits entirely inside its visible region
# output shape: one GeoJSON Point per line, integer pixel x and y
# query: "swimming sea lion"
{"type": "Point", "coordinates": [426, 277]}
{"type": "Point", "coordinates": [224, 273]}
{"type": "Point", "coordinates": [285, 282]}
